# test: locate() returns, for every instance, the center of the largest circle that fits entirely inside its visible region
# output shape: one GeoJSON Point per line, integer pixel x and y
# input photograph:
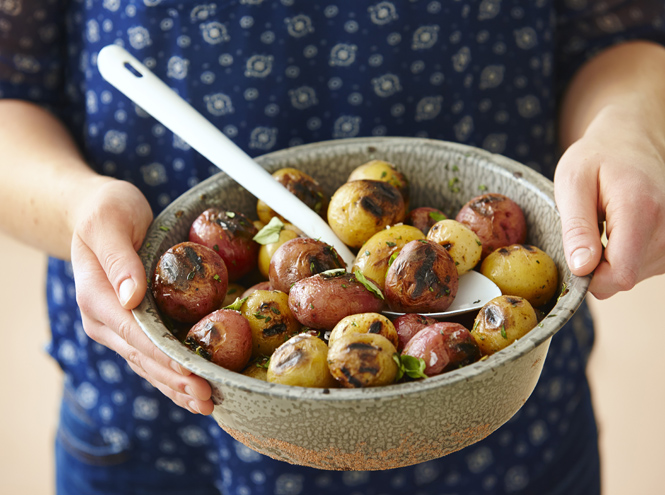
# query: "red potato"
{"type": "Point", "coordinates": [408, 325]}
{"type": "Point", "coordinates": [230, 234]}
{"type": "Point", "coordinates": [189, 282]}
{"type": "Point", "coordinates": [424, 218]}
{"type": "Point", "coordinates": [223, 337]}
{"type": "Point", "coordinates": [321, 301]}
{"type": "Point", "coordinates": [496, 219]}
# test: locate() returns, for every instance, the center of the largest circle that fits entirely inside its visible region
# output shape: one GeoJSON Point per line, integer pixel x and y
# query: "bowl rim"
{"type": "Point", "coordinates": [571, 296]}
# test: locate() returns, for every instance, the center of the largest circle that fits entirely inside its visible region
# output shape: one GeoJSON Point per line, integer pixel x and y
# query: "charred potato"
{"type": "Point", "coordinates": [365, 323]}
{"type": "Point", "coordinates": [300, 258]}
{"type": "Point", "coordinates": [362, 360]}
{"type": "Point", "coordinates": [422, 279]}
{"type": "Point", "coordinates": [189, 282]}
{"type": "Point", "coordinates": [270, 320]}
{"type": "Point", "coordinates": [303, 186]}
{"type": "Point", "coordinates": [522, 270]}
{"type": "Point", "coordinates": [501, 322]}
{"type": "Point", "coordinates": [375, 255]}
{"type": "Point", "coordinates": [266, 251]}
{"type": "Point", "coordinates": [222, 337]}
{"type": "Point", "coordinates": [361, 208]}
{"type": "Point", "coordinates": [384, 171]}
{"type": "Point", "coordinates": [322, 300]}
{"type": "Point", "coordinates": [408, 325]}
{"type": "Point", "coordinates": [496, 219]}
{"type": "Point", "coordinates": [258, 368]}
{"type": "Point", "coordinates": [460, 241]}
{"type": "Point", "coordinates": [301, 361]}
{"type": "Point", "coordinates": [424, 217]}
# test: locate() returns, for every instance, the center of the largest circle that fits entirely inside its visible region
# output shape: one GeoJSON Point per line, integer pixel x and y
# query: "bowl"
{"type": "Point", "coordinates": [397, 425]}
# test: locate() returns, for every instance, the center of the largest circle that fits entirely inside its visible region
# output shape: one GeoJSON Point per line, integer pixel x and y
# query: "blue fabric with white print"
{"type": "Point", "coordinates": [274, 74]}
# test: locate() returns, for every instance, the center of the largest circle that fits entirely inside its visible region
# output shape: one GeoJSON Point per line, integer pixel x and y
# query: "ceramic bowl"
{"type": "Point", "coordinates": [397, 425]}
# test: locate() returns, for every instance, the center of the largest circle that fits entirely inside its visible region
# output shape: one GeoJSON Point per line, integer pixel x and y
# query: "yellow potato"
{"type": "Point", "coordinates": [374, 256]}
{"type": "Point", "coordinates": [301, 361]}
{"type": "Point", "coordinates": [365, 323]}
{"type": "Point", "coordinates": [358, 360]}
{"type": "Point", "coordinates": [524, 271]}
{"type": "Point", "coordinates": [462, 243]}
{"type": "Point", "coordinates": [257, 368]}
{"type": "Point", "coordinates": [501, 322]}
{"type": "Point", "coordinates": [267, 250]}
{"type": "Point", "coordinates": [305, 187]}
{"type": "Point", "coordinates": [385, 171]}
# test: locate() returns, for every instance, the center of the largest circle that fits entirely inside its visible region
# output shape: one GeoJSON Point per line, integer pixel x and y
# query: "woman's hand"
{"type": "Point", "coordinates": [110, 281]}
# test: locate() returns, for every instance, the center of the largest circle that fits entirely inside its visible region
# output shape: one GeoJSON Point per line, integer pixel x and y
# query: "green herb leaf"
{"type": "Point", "coordinates": [392, 258]}
{"type": "Point", "coordinates": [270, 233]}
{"type": "Point", "coordinates": [370, 286]}
{"type": "Point", "coordinates": [390, 244]}
{"type": "Point", "coordinates": [503, 332]}
{"type": "Point", "coordinates": [163, 228]}
{"type": "Point", "coordinates": [230, 214]}
{"type": "Point", "coordinates": [410, 366]}
{"type": "Point", "coordinates": [335, 272]}
{"type": "Point", "coordinates": [436, 216]}
{"type": "Point", "coordinates": [191, 275]}
{"type": "Point", "coordinates": [237, 304]}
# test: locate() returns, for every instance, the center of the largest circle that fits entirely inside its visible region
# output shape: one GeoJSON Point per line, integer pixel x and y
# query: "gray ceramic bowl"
{"type": "Point", "coordinates": [397, 425]}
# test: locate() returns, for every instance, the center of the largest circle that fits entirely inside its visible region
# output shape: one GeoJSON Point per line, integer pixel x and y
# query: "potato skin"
{"type": "Point", "coordinates": [501, 322]}
{"type": "Point", "coordinates": [222, 337]}
{"type": "Point", "coordinates": [270, 320]}
{"type": "Point", "coordinates": [373, 257]}
{"type": "Point", "coordinates": [321, 301]}
{"type": "Point", "coordinates": [424, 217]}
{"type": "Point", "coordinates": [522, 270]}
{"type": "Point", "coordinates": [422, 279]}
{"type": "Point", "coordinates": [460, 241]}
{"type": "Point", "coordinates": [303, 186]}
{"type": "Point", "coordinates": [365, 323]}
{"type": "Point", "coordinates": [384, 171]}
{"type": "Point", "coordinates": [301, 361]}
{"type": "Point", "coordinates": [267, 251]}
{"type": "Point", "coordinates": [358, 360]}
{"type": "Point", "coordinates": [189, 282]}
{"type": "Point", "coordinates": [496, 219]}
{"type": "Point", "coordinates": [429, 346]}
{"type": "Point", "coordinates": [408, 325]}
{"type": "Point", "coordinates": [300, 258]}
{"type": "Point", "coordinates": [361, 208]}
{"type": "Point", "coordinates": [265, 285]}
{"type": "Point", "coordinates": [230, 234]}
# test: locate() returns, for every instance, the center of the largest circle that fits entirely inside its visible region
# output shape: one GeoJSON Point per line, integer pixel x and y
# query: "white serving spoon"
{"type": "Point", "coordinates": [135, 81]}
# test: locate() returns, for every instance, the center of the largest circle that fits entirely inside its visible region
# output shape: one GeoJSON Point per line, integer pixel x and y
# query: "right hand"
{"type": "Point", "coordinates": [110, 280]}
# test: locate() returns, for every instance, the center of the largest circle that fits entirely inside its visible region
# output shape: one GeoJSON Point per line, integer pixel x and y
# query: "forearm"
{"type": "Point", "coordinates": [43, 178]}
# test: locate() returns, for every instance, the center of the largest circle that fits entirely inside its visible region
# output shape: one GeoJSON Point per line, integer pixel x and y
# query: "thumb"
{"type": "Point", "coordinates": [576, 193]}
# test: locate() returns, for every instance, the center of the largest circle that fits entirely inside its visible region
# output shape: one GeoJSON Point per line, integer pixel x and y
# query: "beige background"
{"type": "Point", "coordinates": [627, 369]}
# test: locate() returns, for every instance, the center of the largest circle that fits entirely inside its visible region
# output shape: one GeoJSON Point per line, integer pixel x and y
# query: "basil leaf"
{"type": "Point", "coordinates": [270, 233]}
{"type": "Point", "coordinates": [237, 304]}
{"type": "Point", "coordinates": [436, 216]}
{"type": "Point", "coordinates": [370, 286]}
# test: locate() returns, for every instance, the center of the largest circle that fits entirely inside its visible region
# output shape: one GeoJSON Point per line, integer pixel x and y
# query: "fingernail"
{"type": "Point", "coordinates": [581, 257]}
{"type": "Point", "coordinates": [194, 406]}
{"type": "Point", "coordinates": [126, 290]}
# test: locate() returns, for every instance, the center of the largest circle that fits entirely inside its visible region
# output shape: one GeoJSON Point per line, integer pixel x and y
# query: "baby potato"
{"type": "Point", "coordinates": [424, 217]}
{"type": "Point", "coordinates": [365, 323]}
{"type": "Point", "coordinates": [266, 251]}
{"type": "Point", "coordinates": [303, 186]}
{"type": "Point", "coordinates": [522, 270]}
{"type": "Point", "coordinates": [362, 360]}
{"type": "Point", "coordinates": [300, 258]}
{"type": "Point", "coordinates": [257, 368]}
{"type": "Point", "coordinates": [270, 320]}
{"type": "Point", "coordinates": [460, 241]}
{"type": "Point", "coordinates": [374, 256]}
{"type": "Point", "coordinates": [264, 285]}
{"type": "Point", "coordinates": [222, 337]}
{"type": "Point", "coordinates": [408, 325]}
{"type": "Point", "coordinates": [501, 321]}
{"type": "Point", "coordinates": [385, 171]}
{"type": "Point", "coordinates": [361, 208]}
{"type": "Point", "coordinates": [422, 279]}
{"type": "Point", "coordinates": [428, 345]}
{"type": "Point", "coordinates": [496, 219]}
{"type": "Point", "coordinates": [301, 361]}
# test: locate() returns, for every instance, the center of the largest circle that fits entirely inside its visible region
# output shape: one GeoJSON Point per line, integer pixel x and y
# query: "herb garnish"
{"type": "Point", "coordinates": [436, 216]}
{"type": "Point", "coordinates": [410, 366]}
{"type": "Point", "coordinates": [370, 286]}
{"type": "Point", "coordinates": [237, 304]}
{"type": "Point", "coordinates": [270, 233]}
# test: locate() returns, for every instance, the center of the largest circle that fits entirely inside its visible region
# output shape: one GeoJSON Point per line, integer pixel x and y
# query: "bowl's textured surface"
{"type": "Point", "coordinates": [398, 425]}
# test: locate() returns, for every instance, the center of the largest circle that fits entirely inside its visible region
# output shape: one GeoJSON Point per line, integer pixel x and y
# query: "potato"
{"type": "Point", "coordinates": [428, 345]}
{"type": "Point", "coordinates": [522, 270]}
{"type": "Point", "coordinates": [222, 337]}
{"type": "Point", "coordinates": [375, 255]}
{"type": "Point", "coordinates": [462, 243]}
{"type": "Point", "coordinates": [501, 321]}
{"type": "Point", "coordinates": [300, 258]}
{"type": "Point", "coordinates": [265, 285]}
{"type": "Point", "coordinates": [189, 282]}
{"type": "Point", "coordinates": [301, 361]}
{"type": "Point", "coordinates": [257, 368]}
{"type": "Point", "coordinates": [322, 300]}
{"type": "Point", "coordinates": [361, 208]}
{"type": "Point", "coordinates": [460, 344]}
{"type": "Point", "coordinates": [270, 320]}
{"type": "Point", "coordinates": [230, 234]}
{"type": "Point", "coordinates": [365, 323]}
{"type": "Point", "coordinates": [424, 217]}
{"type": "Point", "coordinates": [408, 325]}
{"type": "Point", "coordinates": [422, 279]}
{"type": "Point", "coordinates": [496, 219]}
{"type": "Point", "coordinates": [384, 171]}
{"type": "Point", "coordinates": [362, 360]}
{"type": "Point", "coordinates": [303, 186]}
{"type": "Point", "coordinates": [266, 251]}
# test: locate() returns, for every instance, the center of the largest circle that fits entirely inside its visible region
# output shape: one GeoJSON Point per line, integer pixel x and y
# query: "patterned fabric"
{"type": "Point", "coordinates": [274, 74]}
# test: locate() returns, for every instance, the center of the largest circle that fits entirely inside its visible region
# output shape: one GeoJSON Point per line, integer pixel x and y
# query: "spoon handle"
{"type": "Point", "coordinates": [133, 79]}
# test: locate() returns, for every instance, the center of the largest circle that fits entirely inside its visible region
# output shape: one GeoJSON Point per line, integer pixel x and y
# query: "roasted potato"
{"type": "Point", "coordinates": [361, 208]}
{"type": "Point", "coordinates": [522, 270]}
{"type": "Point", "coordinates": [362, 360]}
{"type": "Point", "coordinates": [264, 285]}
{"type": "Point", "coordinates": [365, 323]}
{"type": "Point", "coordinates": [303, 186]}
{"type": "Point", "coordinates": [501, 322]}
{"type": "Point", "coordinates": [496, 219]}
{"type": "Point", "coordinates": [375, 255]}
{"type": "Point", "coordinates": [462, 243]}
{"type": "Point", "coordinates": [301, 361]}
{"type": "Point", "coordinates": [422, 279]}
{"type": "Point", "coordinates": [424, 217]}
{"type": "Point", "coordinates": [222, 337]}
{"type": "Point", "coordinates": [257, 368]}
{"type": "Point", "coordinates": [189, 282]}
{"type": "Point", "coordinates": [266, 251]}
{"type": "Point", "coordinates": [300, 258]}
{"type": "Point", "coordinates": [386, 172]}
{"type": "Point", "coordinates": [408, 325]}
